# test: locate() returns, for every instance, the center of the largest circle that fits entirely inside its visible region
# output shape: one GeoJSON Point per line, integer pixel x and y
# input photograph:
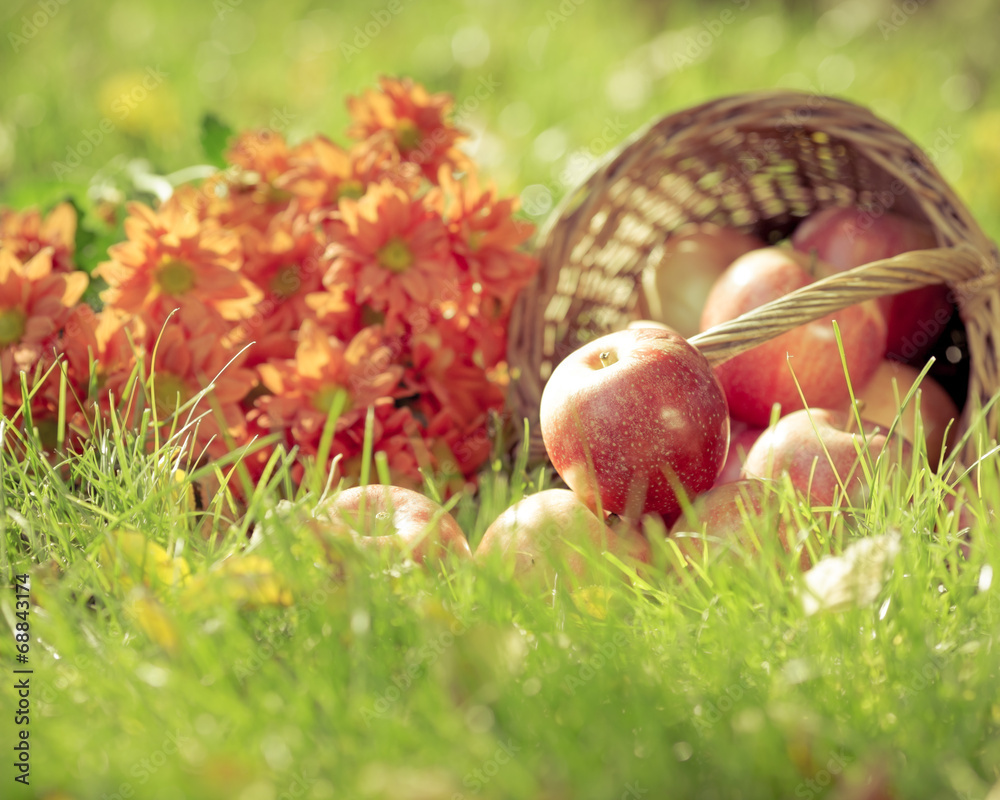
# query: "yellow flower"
{"type": "Point", "coordinates": [140, 559]}
{"type": "Point", "coordinates": [149, 614]}
{"type": "Point", "coordinates": [248, 581]}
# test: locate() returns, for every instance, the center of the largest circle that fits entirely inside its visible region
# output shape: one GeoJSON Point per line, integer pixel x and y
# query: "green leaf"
{"type": "Point", "coordinates": [215, 136]}
{"type": "Point", "coordinates": [91, 244]}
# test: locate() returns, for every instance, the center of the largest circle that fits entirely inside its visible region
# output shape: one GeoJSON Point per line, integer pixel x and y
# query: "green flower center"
{"type": "Point", "coordinates": [175, 277]}
{"type": "Point", "coordinates": [328, 395]}
{"type": "Point", "coordinates": [369, 316]}
{"type": "Point", "coordinates": [395, 255]}
{"type": "Point", "coordinates": [352, 189]}
{"type": "Point", "coordinates": [286, 281]}
{"type": "Point", "coordinates": [170, 392]}
{"type": "Point", "coordinates": [12, 322]}
{"type": "Point", "coordinates": [408, 136]}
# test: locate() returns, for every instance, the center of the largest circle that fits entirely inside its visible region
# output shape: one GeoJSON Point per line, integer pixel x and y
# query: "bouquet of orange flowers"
{"type": "Point", "coordinates": [302, 291]}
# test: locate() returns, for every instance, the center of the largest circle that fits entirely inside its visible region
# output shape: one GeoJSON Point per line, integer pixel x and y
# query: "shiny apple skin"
{"type": "Point", "coordinates": [757, 379]}
{"type": "Point", "coordinates": [818, 437]}
{"type": "Point", "coordinates": [408, 515]}
{"type": "Point", "coordinates": [619, 435]}
{"type": "Point", "coordinates": [536, 533]}
{"type": "Point", "coordinates": [847, 237]}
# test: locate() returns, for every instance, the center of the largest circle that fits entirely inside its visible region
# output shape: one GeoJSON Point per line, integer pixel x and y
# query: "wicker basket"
{"type": "Point", "coordinates": [757, 162]}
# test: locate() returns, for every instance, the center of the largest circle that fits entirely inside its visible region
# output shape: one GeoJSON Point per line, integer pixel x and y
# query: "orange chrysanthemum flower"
{"type": "Point", "coordinates": [35, 303]}
{"type": "Point", "coordinates": [451, 377]}
{"type": "Point", "coordinates": [84, 349]}
{"type": "Point", "coordinates": [393, 250]}
{"type": "Point", "coordinates": [326, 371]}
{"type": "Point", "coordinates": [321, 172]}
{"type": "Point", "coordinates": [180, 361]}
{"type": "Point", "coordinates": [485, 237]}
{"type": "Point", "coordinates": [246, 194]}
{"type": "Point", "coordinates": [286, 263]}
{"type": "Point", "coordinates": [416, 119]}
{"type": "Point", "coordinates": [263, 152]}
{"type": "Point", "coordinates": [25, 233]}
{"type": "Point", "coordinates": [95, 345]}
{"type": "Point", "coordinates": [172, 259]}
{"type": "Point", "coordinates": [396, 433]}
{"type": "Point", "coordinates": [458, 451]}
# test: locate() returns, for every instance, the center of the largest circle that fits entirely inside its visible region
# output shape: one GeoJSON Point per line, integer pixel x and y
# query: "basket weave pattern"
{"type": "Point", "coordinates": [759, 163]}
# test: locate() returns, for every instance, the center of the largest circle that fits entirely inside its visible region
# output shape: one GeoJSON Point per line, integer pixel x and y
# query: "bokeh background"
{"type": "Point", "coordinates": [545, 86]}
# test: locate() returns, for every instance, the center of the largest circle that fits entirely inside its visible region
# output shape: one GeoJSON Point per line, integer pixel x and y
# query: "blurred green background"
{"type": "Point", "coordinates": [544, 86]}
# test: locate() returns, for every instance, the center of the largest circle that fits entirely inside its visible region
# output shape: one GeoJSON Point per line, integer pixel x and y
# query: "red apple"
{"type": "Point", "coordinates": [677, 285]}
{"type": "Point", "coordinates": [647, 323]}
{"type": "Point", "coordinates": [798, 444]}
{"type": "Point", "coordinates": [541, 531]}
{"type": "Point", "coordinates": [392, 518]}
{"type": "Point", "coordinates": [757, 379]}
{"type": "Point", "coordinates": [741, 439]}
{"type": "Point", "coordinates": [848, 237]}
{"type": "Point", "coordinates": [717, 521]}
{"type": "Point", "coordinates": [632, 418]}
{"type": "Point", "coordinates": [937, 409]}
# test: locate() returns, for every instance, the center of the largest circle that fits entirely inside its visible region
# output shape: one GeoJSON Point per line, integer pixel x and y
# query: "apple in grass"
{"type": "Point", "coordinates": [541, 532]}
{"type": "Point", "coordinates": [757, 379]}
{"type": "Point", "coordinates": [938, 411]}
{"type": "Point", "coordinates": [632, 418]}
{"type": "Point", "coordinates": [391, 518]}
{"type": "Point", "coordinates": [716, 523]}
{"type": "Point", "coordinates": [819, 450]}
{"type": "Point", "coordinates": [847, 237]}
{"type": "Point", "coordinates": [741, 438]}
{"type": "Point", "coordinates": [677, 285]}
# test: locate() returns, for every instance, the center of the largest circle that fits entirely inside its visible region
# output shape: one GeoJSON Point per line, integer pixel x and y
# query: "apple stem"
{"type": "Point", "coordinates": [606, 359]}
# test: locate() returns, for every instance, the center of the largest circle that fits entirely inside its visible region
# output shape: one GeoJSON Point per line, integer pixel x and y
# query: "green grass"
{"type": "Point", "coordinates": [384, 680]}
{"type": "Point", "coordinates": [377, 678]}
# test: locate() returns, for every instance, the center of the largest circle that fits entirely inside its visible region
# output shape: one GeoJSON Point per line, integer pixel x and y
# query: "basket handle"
{"type": "Point", "coordinates": [911, 270]}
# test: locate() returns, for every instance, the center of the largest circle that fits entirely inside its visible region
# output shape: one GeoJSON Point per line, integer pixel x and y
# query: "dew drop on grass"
{"type": "Point", "coordinates": [360, 622]}
{"type": "Point", "coordinates": [796, 671]}
{"type": "Point", "coordinates": [985, 578]}
{"type": "Point", "coordinates": [275, 752]}
{"type": "Point", "coordinates": [153, 675]}
{"type": "Point", "coordinates": [479, 719]}
{"type": "Point", "coordinates": [683, 751]}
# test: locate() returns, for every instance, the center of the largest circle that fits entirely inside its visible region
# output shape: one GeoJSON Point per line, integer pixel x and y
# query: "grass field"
{"type": "Point", "coordinates": [168, 673]}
